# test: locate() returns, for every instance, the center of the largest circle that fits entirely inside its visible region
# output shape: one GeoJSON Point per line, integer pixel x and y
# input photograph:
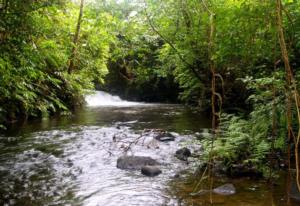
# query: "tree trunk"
{"type": "Point", "coordinates": [292, 92]}
{"type": "Point", "coordinates": [76, 38]}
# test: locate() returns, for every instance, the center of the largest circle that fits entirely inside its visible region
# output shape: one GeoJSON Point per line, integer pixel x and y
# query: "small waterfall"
{"type": "Point", "coordinates": [100, 98]}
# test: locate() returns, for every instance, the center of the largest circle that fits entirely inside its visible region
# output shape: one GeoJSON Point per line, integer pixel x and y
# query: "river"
{"type": "Point", "coordinates": [71, 160]}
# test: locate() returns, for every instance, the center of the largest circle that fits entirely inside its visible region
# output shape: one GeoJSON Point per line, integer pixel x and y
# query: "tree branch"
{"type": "Point", "coordinates": [192, 67]}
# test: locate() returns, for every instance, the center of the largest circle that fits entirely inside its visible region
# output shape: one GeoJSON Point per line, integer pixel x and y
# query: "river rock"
{"type": "Point", "coordinates": [219, 169]}
{"type": "Point", "coordinates": [183, 154]}
{"type": "Point", "coordinates": [164, 137]}
{"type": "Point", "coordinates": [242, 170]}
{"type": "Point", "coordinates": [134, 162]}
{"type": "Point", "coordinates": [150, 171]}
{"type": "Point", "coordinates": [227, 189]}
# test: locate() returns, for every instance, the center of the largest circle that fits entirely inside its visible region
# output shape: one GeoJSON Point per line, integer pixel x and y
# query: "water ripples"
{"type": "Point", "coordinates": [78, 166]}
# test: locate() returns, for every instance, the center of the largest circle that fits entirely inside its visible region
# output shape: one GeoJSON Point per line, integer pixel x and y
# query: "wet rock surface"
{"type": "Point", "coordinates": [164, 136]}
{"type": "Point", "coordinates": [183, 154]}
{"type": "Point", "coordinates": [227, 189]}
{"type": "Point", "coordinates": [150, 171]}
{"type": "Point", "coordinates": [135, 162]}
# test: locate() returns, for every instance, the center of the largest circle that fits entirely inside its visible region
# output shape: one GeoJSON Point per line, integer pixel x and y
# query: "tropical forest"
{"type": "Point", "coordinates": [149, 102]}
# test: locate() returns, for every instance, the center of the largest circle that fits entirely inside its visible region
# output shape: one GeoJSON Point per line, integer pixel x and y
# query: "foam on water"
{"type": "Point", "coordinates": [100, 98]}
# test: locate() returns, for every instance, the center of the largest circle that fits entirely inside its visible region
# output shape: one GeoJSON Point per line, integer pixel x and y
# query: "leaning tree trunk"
{"type": "Point", "coordinates": [76, 38]}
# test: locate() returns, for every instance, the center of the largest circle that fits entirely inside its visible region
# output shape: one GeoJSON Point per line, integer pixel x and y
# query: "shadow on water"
{"type": "Point", "coordinates": [71, 160]}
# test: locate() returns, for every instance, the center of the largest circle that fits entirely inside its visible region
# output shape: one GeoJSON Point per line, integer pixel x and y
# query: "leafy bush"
{"type": "Point", "coordinates": [35, 45]}
{"type": "Point", "coordinates": [247, 139]}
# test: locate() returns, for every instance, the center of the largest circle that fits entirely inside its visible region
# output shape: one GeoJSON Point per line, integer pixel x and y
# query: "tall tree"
{"type": "Point", "coordinates": [76, 38]}
{"type": "Point", "coordinates": [292, 92]}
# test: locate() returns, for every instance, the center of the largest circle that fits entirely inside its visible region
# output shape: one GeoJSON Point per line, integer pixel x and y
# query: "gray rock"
{"type": "Point", "coordinates": [165, 137]}
{"type": "Point", "coordinates": [135, 162]}
{"type": "Point", "coordinates": [176, 176]}
{"type": "Point", "coordinates": [150, 171]}
{"type": "Point", "coordinates": [227, 189]}
{"type": "Point", "coordinates": [183, 154]}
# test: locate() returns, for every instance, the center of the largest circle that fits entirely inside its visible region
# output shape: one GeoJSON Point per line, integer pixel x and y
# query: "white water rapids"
{"type": "Point", "coordinates": [100, 98]}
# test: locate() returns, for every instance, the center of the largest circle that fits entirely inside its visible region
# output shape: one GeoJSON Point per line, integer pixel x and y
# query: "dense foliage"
{"type": "Point", "coordinates": [35, 45]}
{"type": "Point", "coordinates": [242, 43]}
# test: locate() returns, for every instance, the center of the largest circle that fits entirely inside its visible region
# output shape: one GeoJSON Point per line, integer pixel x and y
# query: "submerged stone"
{"type": "Point", "coordinates": [134, 162]}
{"type": "Point", "coordinates": [183, 154]}
{"type": "Point", "coordinates": [165, 137]}
{"type": "Point", "coordinates": [150, 171]}
{"type": "Point", "coordinates": [227, 189]}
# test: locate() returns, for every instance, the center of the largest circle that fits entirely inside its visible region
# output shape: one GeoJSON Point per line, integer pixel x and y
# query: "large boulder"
{"type": "Point", "coordinates": [135, 162]}
{"type": "Point", "coordinates": [183, 154]}
{"type": "Point", "coordinates": [164, 137]}
{"type": "Point", "coordinates": [150, 171]}
{"type": "Point", "coordinates": [227, 189]}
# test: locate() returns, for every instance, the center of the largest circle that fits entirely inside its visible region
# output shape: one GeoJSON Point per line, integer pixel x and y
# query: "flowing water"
{"type": "Point", "coordinates": [71, 160]}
